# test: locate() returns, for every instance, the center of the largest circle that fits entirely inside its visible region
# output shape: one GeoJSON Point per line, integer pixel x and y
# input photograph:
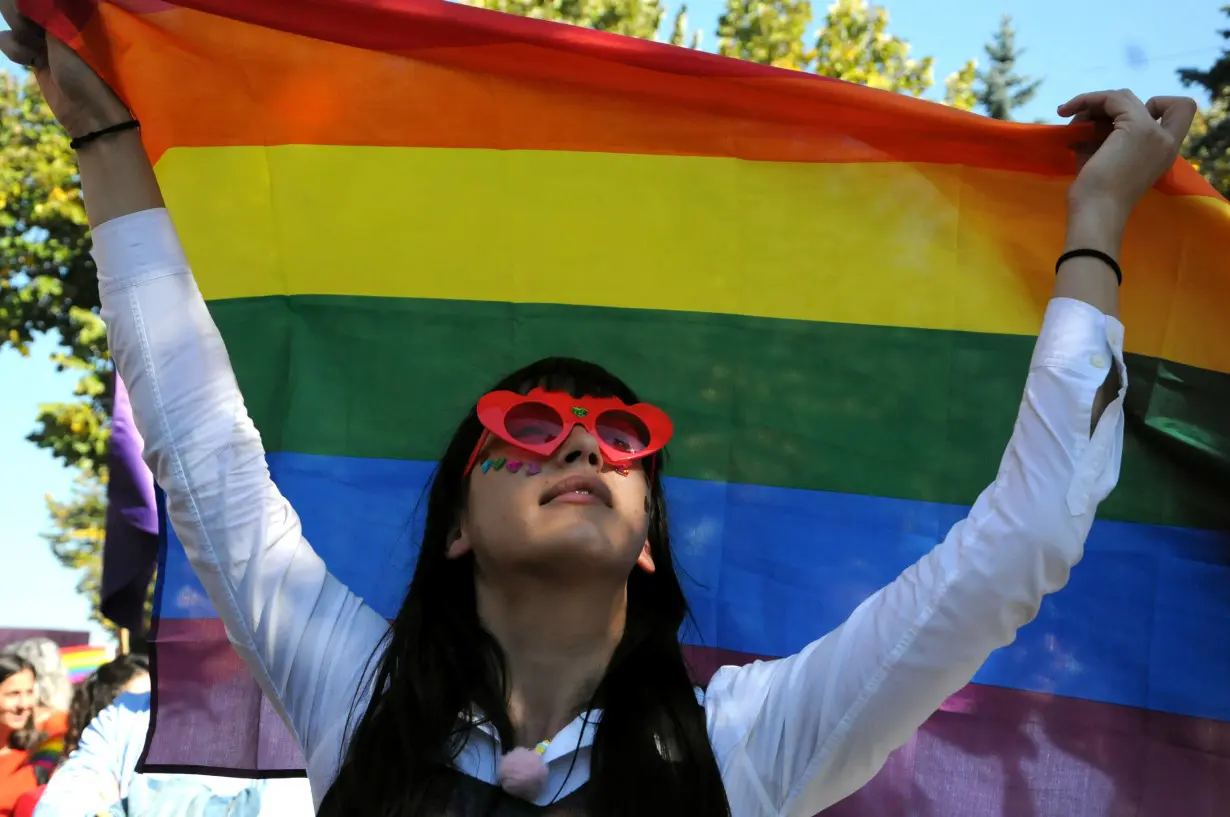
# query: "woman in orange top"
{"type": "Point", "coordinates": [18, 733]}
{"type": "Point", "coordinates": [53, 691]}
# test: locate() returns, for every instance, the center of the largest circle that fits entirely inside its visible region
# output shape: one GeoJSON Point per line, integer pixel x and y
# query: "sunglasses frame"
{"type": "Point", "coordinates": [493, 409]}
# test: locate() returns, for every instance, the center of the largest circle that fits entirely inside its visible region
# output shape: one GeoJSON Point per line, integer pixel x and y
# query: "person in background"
{"type": "Point", "coordinates": [53, 691]}
{"type": "Point", "coordinates": [127, 673]}
{"type": "Point", "coordinates": [18, 731]}
{"type": "Point", "coordinates": [53, 694]}
{"type": "Point", "coordinates": [100, 777]}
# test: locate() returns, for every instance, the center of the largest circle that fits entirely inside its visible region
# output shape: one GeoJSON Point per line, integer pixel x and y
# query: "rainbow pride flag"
{"type": "Point", "coordinates": [833, 291]}
{"type": "Point", "coordinates": [82, 660]}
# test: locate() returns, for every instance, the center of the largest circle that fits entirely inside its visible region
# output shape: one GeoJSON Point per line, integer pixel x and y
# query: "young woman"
{"type": "Point", "coordinates": [18, 732]}
{"type": "Point", "coordinates": [544, 609]}
{"type": "Point", "coordinates": [52, 690]}
{"type": "Point", "coordinates": [127, 673]}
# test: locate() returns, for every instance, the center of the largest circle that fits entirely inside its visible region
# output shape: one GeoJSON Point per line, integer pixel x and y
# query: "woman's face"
{"type": "Point", "coordinates": [576, 513]}
{"type": "Point", "coordinates": [16, 700]}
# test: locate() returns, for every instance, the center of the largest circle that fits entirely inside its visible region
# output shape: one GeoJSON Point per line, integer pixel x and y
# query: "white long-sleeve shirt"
{"type": "Point", "coordinates": [791, 736]}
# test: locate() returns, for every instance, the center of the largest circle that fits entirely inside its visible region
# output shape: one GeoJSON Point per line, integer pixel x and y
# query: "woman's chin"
{"type": "Point", "coordinates": [574, 544]}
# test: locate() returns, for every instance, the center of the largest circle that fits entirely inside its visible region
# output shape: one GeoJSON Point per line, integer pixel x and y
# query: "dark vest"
{"type": "Point", "coordinates": [470, 797]}
{"type": "Point", "coordinates": [473, 798]}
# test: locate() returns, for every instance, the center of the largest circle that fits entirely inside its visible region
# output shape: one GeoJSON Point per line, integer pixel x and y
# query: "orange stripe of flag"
{"type": "Point", "coordinates": [561, 89]}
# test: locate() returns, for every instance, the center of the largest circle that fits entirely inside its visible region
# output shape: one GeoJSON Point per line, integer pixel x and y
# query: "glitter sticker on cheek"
{"type": "Point", "coordinates": [514, 466]}
{"type": "Point", "coordinates": [486, 466]}
{"type": "Point", "coordinates": [499, 463]}
{"type": "Point", "coordinates": [532, 468]}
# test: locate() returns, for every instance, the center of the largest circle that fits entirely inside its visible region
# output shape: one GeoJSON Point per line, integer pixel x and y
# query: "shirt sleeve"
{"type": "Point", "coordinates": [306, 638]}
{"type": "Point", "coordinates": [796, 735]}
{"type": "Point", "coordinates": [94, 776]}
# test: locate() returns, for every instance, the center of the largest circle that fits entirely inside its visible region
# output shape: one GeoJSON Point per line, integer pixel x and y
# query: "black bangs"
{"type": "Point", "coordinates": [578, 378]}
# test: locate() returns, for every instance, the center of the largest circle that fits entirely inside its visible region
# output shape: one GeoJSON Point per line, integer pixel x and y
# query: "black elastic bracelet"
{"type": "Point", "coordinates": [1098, 254]}
{"type": "Point", "coordinates": [82, 141]}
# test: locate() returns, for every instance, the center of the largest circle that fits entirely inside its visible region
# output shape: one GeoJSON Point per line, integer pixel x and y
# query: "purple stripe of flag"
{"type": "Point", "coordinates": [989, 751]}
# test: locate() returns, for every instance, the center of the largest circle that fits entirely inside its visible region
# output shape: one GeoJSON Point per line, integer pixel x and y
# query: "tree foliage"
{"type": "Point", "coordinates": [959, 90]}
{"type": "Point", "coordinates": [1208, 144]}
{"type": "Point", "coordinates": [78, 526]}
{"type": "Point", "coordinates": [766, 31]}
{"type": "Point", "coordinates": [679, 30]}
{"type": "Point", "coordinates": [635, 18]}
{"type": "Point", "coordinates": [47, 284]}
{"type": "Point", "coordinates": [854, 44]}
{"type": "Point", "coordinates": [47, 281]}
{"type": "Point", "coordinates": [1002, 90]}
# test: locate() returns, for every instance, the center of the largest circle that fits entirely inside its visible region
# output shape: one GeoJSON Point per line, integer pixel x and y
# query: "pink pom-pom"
{"type": "Point", "coordinates": [523, 773]}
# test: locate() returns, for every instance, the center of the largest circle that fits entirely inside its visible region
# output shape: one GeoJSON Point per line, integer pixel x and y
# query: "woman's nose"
{"type": "Point", "coordinates": [580, 445]}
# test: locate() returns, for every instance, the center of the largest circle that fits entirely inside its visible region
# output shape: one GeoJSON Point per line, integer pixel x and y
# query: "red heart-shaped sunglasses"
{"type": "Point", "coordinates": [540, 421]}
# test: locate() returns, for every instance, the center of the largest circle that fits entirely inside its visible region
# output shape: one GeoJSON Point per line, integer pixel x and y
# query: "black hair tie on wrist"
{"type": "Point", "coordinates": [82, 141]}
{"type": "Point", "coordinates": [1098, 254]}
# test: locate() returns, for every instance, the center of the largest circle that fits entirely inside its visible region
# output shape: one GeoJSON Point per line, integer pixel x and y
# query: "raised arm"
{"type": "Point", "coordinates": [303, 635]}
{"type": "Point", "coordinates": [795, 736]}
{"type": "Point", "coordinates": [97, 774]}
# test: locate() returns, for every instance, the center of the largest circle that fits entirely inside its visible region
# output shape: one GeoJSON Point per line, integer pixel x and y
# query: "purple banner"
{"type": "Point", "coordinates": [130, 553]}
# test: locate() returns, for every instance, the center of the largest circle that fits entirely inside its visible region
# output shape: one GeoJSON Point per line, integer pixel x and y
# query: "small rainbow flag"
{"type": "Point", "coordinates": [49, 754]}
{"type": "Point", "coordinates": [81, 661]}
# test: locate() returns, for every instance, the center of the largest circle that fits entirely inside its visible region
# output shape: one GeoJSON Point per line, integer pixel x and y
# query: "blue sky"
{"type": "Point", "coordinates": [1095, 44]}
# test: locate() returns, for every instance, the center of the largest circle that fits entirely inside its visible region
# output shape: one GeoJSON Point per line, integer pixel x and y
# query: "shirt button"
{"type": "Point", "coordinates": [1099, 361]}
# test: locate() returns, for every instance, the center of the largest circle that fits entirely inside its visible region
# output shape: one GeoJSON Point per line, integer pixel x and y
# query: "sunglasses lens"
{"type": "Point", "coordinates": [623, 431]}
{"type": "Point", "coordinates": [533, 423]}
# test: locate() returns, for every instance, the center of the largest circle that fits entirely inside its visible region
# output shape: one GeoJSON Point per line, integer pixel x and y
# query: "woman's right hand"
{"type": "Point", "coordinates": [78, 96]}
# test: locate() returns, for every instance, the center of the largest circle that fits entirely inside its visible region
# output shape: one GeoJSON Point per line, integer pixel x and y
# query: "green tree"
{"type": "Point", "coordinates": [1003, 90]}
{"type": "Point", "coordinates": [766, 31]}
{"type": "Point", "coordinates": [854, 44]}
{"type": "Point", "coordinates": [679, 30]}
{"type": "Point", "coordinates": [635, 18]}
{"type": "Point", "coordinates": [1208, 144]}
{"type": "Point", "coordinates": [959, 88]}
{"type": "Point", "coordinates": [78, 526]}
{"type": "Point", "coordinates": [1205, 152]}
{"type": "Point", "coordinates": [47, 285]}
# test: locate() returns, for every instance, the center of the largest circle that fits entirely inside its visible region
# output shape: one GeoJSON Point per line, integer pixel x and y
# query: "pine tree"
{"type": "Point", "coordinates": [1003, 90]}
{"type": "Point", "coordinates": [1208, 145]}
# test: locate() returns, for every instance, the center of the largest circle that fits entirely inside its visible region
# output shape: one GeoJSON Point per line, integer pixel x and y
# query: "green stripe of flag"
{"type": "Point", "coordinates": [884, 411]}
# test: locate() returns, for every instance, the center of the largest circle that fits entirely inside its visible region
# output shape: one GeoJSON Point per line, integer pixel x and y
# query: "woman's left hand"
{"type": "Point", "coordinates": [1137, 142]}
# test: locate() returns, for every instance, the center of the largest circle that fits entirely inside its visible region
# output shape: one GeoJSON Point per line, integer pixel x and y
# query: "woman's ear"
{"type": "Point", "coordinates": [645, 560]}
{"type": "Point", "coordinates": [458, 543]}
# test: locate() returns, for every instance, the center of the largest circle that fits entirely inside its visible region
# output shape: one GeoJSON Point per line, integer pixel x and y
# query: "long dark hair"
{"type": "Point", "coordinates": [651, 753]}
{"type": "Point", "coordinates": [98, 692]}
{"type": "Point", "coordinates": [28, 736]}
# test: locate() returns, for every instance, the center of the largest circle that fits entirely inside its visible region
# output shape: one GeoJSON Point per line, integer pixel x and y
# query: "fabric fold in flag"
{"type": "Point", "coordinates": [832, 290]}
